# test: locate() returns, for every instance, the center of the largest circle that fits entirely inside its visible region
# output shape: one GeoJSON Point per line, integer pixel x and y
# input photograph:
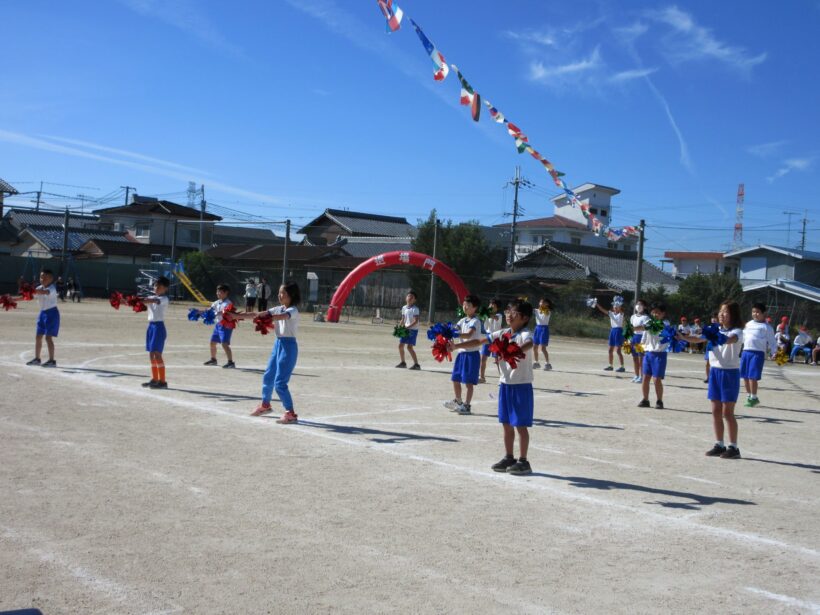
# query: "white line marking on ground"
{"type": "Point", "coordinates": [743, 537]}
{"type": "Point", "coordinates": [793, 602]}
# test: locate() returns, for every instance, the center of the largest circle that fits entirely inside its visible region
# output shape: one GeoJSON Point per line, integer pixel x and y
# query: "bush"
{"type": "Point", "coordinates": [572, 325]}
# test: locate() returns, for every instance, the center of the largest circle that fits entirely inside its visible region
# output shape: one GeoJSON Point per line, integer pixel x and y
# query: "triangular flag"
{"type": "Point", "coordinates": [495, 114]}
{"type": "Point", "coordinates": [392, 13]}
{"type": "Point", "coordinates": [440, 74]}
{"type": "Point", "coordinates": [468, 95]}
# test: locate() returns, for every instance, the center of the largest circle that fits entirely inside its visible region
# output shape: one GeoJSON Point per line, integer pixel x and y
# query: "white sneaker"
{"type": "Point", "coordinates": [548, 367]}
{"type": "Point", "coordinates": [463, 409]}
{"type": "Point", "coordinates": [453, 404]}
{"type": "Point", "coordinates": [536, 365]}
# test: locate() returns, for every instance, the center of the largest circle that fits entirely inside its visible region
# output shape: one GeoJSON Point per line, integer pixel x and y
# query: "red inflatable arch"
{"type": "Point", "coordinates": [391, 259]}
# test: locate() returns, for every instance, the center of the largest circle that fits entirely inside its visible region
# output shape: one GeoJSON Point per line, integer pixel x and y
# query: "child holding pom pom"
{"type": "Point", "coordinates": [542, 332]}
{"type": "Point", "coordinates": [409, 320]}
{"type": "Point", "coordinates": [654, 358]}
{"type": "Point", "coordinates": [468, 362]}
{"type": "Point", "coordinates": [285, 352]}
{"type": "Point", "coordinates": [724, 377]}
{"type": "Point", "coordinates": [48, 322]}
{"type": "Point", "coordinates": [515, 397]}
{"type": "Point", "coordinates": [221, 335]}
{"type": "Point", "coordinates": [494, 323]}
{"type": "Point", "coordinates": [156, 333]}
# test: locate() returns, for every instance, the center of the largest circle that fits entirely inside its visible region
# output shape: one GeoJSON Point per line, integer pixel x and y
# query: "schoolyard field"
{"type": "Point", "coordinates": [119, 499]}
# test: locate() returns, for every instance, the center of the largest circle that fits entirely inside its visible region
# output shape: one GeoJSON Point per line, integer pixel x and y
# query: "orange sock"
{"type": "Point", "coordinates": [161, 370]}
{"type": "Point", "coordinates": [154, 371]}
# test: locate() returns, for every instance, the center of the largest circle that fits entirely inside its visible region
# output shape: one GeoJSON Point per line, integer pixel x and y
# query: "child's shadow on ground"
{"type": "Point", "coordinates": [807, 466]}
{"type": "Point", "coordinates": [567, 392]}
{"type": "Point", "coordinates": [379, 436]}
{"type": "Point", "coordinates": [557, 424]}
{"type": "Point", "coordinates": [695, 503]}
{"type": "Point", "coordinates": [740, 417]}
{"type": "Point", "coordinates": [101, 373]}
{"type": "Point", "coordinates": [253, 370]}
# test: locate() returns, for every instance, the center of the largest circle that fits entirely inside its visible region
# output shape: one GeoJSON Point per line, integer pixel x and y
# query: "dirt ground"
{"type": "Point", "coordinates": [119, 499]}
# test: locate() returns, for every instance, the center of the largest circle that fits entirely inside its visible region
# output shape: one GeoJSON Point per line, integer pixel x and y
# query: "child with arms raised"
{"type": "Point", "coordinates": [48, 321]}
{"type": "Point", "coordinates": [156, 334]}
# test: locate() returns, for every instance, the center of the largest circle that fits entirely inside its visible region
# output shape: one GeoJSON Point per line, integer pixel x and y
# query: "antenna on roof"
{"type": "Point", "coordinates": [737, 240]}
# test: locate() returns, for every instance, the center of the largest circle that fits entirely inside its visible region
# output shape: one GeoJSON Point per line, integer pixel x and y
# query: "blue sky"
{"type": "Point", "coordinates": [286, 107]}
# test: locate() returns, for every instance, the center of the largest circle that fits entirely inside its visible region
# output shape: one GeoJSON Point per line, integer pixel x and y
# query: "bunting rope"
{"type": "Point", "coordinates": [470, 97]}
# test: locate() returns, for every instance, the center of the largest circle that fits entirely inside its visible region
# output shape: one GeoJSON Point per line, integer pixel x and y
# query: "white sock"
{"type": "Point", "coordinates": [719, 443]}
{"type": "Point", "coordinates": [732, 444]}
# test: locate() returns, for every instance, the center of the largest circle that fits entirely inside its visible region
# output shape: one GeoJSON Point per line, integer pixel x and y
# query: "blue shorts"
{"type": "Point", "coordinates": [636, 339]}
{"type": "Point", "coordinates": [48, 322]}
{"type": "Point", "coordinates": [541, 337]}
{"type": "Point", "coordinates": [466, 367]}
{"type": "Point", "coordinates": [724, 384]}
{"type": "Point", "coordinates": [751, 364]}
{"type": "Point", "coordinates": [654, 364]}
{"type": "Point", "coordinates": [485, 351]}
{"type": "Point", "coordinates": [155, 337]}
{"type": "Point", "coordinates": [616, 336]}
{"type": "Point", "coordinates": [410, 340]}
{"type": "Point", "coordinates": [221, 335]}
{"type": "Point", "coordinates": [515, 404]}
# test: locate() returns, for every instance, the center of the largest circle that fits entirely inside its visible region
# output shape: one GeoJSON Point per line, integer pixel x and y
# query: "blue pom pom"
{"type": "Point", "coordinates": [194, 314]}
{"type": "Point", "coordinates": [447, 331]}
{"type": "Point", "coordinates": [208, 317]}
{"type": "Point", "coordinates": [712, 334]}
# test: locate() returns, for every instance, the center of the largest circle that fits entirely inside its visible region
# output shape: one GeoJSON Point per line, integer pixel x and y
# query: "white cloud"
{"type": "Point", "coordinates": [187, 16]}
{"type": "Point", "coordinates": [630, 75]}
{"type": "Point", "coordinates": [49, 146]}
{"type": "Point", "coordinates": [789, 165]}
{"type": "Point", "coordinates": [541, 38]}
{"type": "Point", "coordinates": [764, 150]}
{"type": "Point", "coordinates": [690, 41]}
{"type": "Point", "coordinates": [546, 74]}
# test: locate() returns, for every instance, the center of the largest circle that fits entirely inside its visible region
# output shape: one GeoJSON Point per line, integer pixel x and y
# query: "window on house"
{"type": "Point", "coordinates": [142, 229]}
{"type": "Point", "coordinates": [627, 247]}
{"type": "Point", "coordinates": [190, 234]}
{"type": "Point", "coordinates": [593, 210]}
{"type": "Point", "coordinates": [611, 245]}
{"type": "Point", "coordinates": [603, 212]}
{"type": "Point", "coordinates": [576, 241]}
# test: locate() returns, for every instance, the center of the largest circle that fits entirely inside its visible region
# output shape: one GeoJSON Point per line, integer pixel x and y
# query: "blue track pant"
{"type": "Point", "coordinates": [280, 367]}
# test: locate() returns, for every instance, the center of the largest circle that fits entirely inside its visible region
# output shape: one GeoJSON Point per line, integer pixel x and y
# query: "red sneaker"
{"type": "Point", "coordinates": [262, 410]}
{"type": "Point", "coordinates": [288, 417]}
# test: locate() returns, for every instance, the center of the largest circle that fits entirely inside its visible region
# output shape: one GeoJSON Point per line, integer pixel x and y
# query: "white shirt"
{"type": "Point", "coordinates": [263, 291]}
{"type": "Point", "coordinates": [802, 338]}
{"type": "Point", "coordinates": [409, 313]}
{"type": "Point", "coordinates": [684, 329]}
{"type": "Point", "coordinates": [286, 327]}
{"type": "Point", "coordinates": [616, 321]}
{"type": "Point", "coordinates": [694, 329]}
{"type": "Point", "coordinates": [50, 300]}
{"type": "Point", "coordinates": [652, 342]}
{"type": "Point", "coordinates": [758, 336]}
{"type": "Point", "coordinates": [541, 318]}
{"type": "Point", "coordinates": [470, 329]}
{"type": "Point", "coordinates": [219, 306]}
{"type": "Point", "coordinates": [522, 374]}
{"type": "Point", "coordinates": [250, 291]}
{"type": "Point", "coordinates": [727, 356]}
{"type": "Point", "coordinates": [638, 320]}
{"type": "Point", "coordinates": [493, 323]}
{"type": "Point", "coordinates": [156, 311]}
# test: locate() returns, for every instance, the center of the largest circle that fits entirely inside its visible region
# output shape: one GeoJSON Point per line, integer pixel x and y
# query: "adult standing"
{"type": "Point", "coordinates": [262, 295]}
{"type": "Point", "coordinates": [250, 295]}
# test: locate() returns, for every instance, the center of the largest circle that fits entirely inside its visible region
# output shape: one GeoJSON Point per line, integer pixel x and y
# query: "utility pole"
{"type": "Point", "coordinates": [201, 217]}
{"type": "Point", "coordinates": [39, 195]}
{"type": "Point", "coordinates": [128, 189]}
{"type": "Point", "coordinates": [789, 214]}
{"type": "Point", "coordinates": [516, 182]}
{"type": "Point", "coordinates": [65, 241]}
{"type": "Point", "coordinates": [803, 232]}
{"type": "Point", "coordinates": [83, 199]}
{"type": "Point", "coordinates": [639, 268]}
{"type": "Point", "coordinates": [432, 309]}
{"type": "Point", "coordinates": [285, 252]}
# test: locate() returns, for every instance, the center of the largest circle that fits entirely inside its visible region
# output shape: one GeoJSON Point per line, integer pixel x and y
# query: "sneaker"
{"type": "Point", "coordinates": [416, 367]}
{"type": "Point", "coordinates": [288, 417]}
{"type": "Point", "coordinates": [754, 401]}
{"type": "Point", "coordinates": [50, 363]}
{"type": "Point", "coordinates": [482, 381]}
{"type": "Point", "coordinates": [731, 452]}
{"type": "Point", "coordinates": [748, 403]}
{"type": "Point", "coordinates": [637, 379]}
{"type": "Point", "coordinates": [452, 404]}
{"type": "Point", "coordinates": [229, 365]}
{"type": "Point", "coordinates": [659, 405]}
{"type": "Point", "coordinates": [262, 410]}
{"type": "Point", "coordinates": [644, 403]}
{"type": "Point", "coordinates": [548, 367]}
{"type": "Point", "coordinates": [505, 463]}
{"type": "Point", "coordinates": [150, 383]}
{"type": "Point", "coordinates": [716, 451]}
{"type": "Point", "coordinates": [609, 368]}
{"type": "Point", "coordinates": [536, 365]}
{"type": "Point", "coordinates": [464, 409]}
{"type": "Point", "coordinates": [34, 362]}
{"type": "Point", "coordinates": [210, 362]}
{"type": "Point", "coordinates": [706, 380]}
{"type": "Point", "coordinates": [402, 364]}
{"type": "Point", "coordinates": [158, 385]}
{"type": "Point", "coordinates": [621, 369]}
{"type": "Point", "coordinates": [520, 468]}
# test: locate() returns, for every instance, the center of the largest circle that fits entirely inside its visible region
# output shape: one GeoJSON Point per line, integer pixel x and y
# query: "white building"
{"type": "Point", "coordinates": [685, 264]}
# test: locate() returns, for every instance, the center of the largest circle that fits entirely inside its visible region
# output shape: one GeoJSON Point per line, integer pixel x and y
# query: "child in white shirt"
{"type": "Point", "coordinates": [758, 341]}
{"type": "Point", "coordinates": [48, 320]}
{"type": "Point", "coordinates": [222, 334]}
{"type": "Point", "coordinates": [468, 362]}
{"type": "Point", "coordinates": [410, 320]}
{"type": "Point", "coordinates": [616, 334]}
{"type": "Point", "coordinates": [492, 324]}
{"type": "Point", "coordinates": [541, 336]}
{"type": "Point", "coordinates": [638, 321]}
{"type": "Point", "coordinates": [156, 334]}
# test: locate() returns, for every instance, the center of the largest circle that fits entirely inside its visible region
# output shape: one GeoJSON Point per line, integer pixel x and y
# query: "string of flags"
{"type": "Point", "coordinates": [471, 98]}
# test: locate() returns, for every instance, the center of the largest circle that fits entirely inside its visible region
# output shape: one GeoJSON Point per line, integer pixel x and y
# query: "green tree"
{"type": "Point", "coordinates": [203, 271]}
{"type": "Point", "coordinates": [700, 295]}
{"type": "Point", "coordinates": [462, 247]}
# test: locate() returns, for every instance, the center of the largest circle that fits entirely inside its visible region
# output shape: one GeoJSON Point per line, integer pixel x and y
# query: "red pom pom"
{"type": "Point", "coordinates": [264, 324]}
{"type": "Point", "coordinates": [228, 321]}
{"type": "Point", "coordinates": [7, 302]}
{"type": "Point", "coordinates": [116, 300]}
{"type": "Point", "coordinates": [135, 303]}
{"type": "Point", "coordinates": [440, 349]}
{"type": "Point", "coordinates": [27, 291]}
{"type": "Point", "coordinates": [507, 350]}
